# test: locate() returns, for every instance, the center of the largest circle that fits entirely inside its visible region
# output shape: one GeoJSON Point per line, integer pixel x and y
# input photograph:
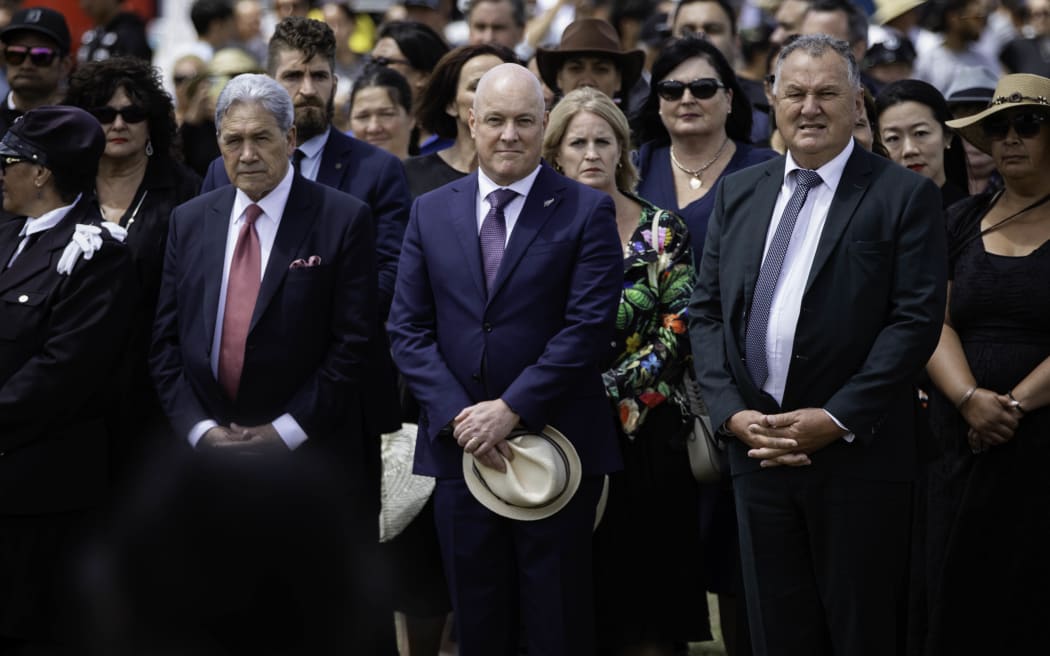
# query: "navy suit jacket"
{"type": "Point", "coordinates": [539, 340]}
{"type": "Point", "coordinates": [870, 318]}
{"type": "Point", "coordinates": [310, 330]}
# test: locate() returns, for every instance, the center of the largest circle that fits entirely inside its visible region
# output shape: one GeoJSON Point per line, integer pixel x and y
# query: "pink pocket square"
{"type": "Point", "coordinates": [312, 261]}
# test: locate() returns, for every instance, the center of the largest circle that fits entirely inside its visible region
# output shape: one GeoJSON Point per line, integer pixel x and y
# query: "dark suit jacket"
{"type": "Point", "coordinates": [537, 341]}
{"type": "Point", "coordinates": [61, 338]}
{"type": "Point", "coordinates": [871, 313]}
{"type": "Point", "coordinates": [307, 343]}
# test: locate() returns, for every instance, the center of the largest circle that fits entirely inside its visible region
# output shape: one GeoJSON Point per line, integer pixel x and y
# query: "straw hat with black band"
{"type": "Point", "coordinates": [1013, 92]}
{"type": "Point", "coordinates": [595, 38]}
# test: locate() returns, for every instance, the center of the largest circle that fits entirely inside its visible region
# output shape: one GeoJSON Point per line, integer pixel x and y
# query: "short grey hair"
{"type": "Point", "coordinates": [262, 90]}
{"type": "Point", "coordinates": [815, 45]}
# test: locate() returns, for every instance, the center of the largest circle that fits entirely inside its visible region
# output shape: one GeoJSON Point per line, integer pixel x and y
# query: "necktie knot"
{"type": "Point", "coordinates": [297, 159]}
{"type": "Point", "coordinates": [251, 213]}
{"type": "Point", "coordinates": [807, 178]}
{"type": "Point", "coordinates": [499, 198]}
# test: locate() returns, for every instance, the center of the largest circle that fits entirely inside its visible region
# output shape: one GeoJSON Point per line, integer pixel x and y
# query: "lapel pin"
{"type": "Point", "coordinates": [547, 203]}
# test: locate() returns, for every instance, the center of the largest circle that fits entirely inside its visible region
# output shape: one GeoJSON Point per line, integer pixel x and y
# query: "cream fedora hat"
{"type": "Point", "coordinates": [541, 479]}
{"type": "Point", "coordinates": [403, 493]}
{"type": "Point", "coordinates": [1013, 91]}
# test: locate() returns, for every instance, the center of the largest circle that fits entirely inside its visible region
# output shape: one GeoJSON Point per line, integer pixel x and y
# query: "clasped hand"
{"type": "Point", "coordinates": [482, 430]}
{"type": "Point", "coordinates": [247, 439]}
{"type": "Point", "coordinates": [993, 419]}
{"type": "Point", "coordinates": [787, 438]}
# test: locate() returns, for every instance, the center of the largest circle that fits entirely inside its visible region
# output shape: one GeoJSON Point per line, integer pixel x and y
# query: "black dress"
{"type": "Point", "coordinates": [428, 172]}
{"type": "Point", "coordinates": [989, 513]}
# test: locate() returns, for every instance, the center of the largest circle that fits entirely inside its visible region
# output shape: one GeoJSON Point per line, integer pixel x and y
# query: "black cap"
{"type": "Point", "coordinates": [59, 137]}
{"type": "Point", "coordinates": [892, 49]}
{"type": "Point", "coordinates": [41, 20]}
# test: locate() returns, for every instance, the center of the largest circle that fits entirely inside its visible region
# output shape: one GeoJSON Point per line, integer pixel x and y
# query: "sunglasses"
{"type": "Point", "coordinates": [40, 56]}
{"type": "Point", "coordinates": [702, 89]}
{"type": "Point", "coordinates": [1026, 125]}
{"type": "Point", "coordinates": [130, 114]}
{"type": "Point", "coordinates": [10, 161]}
{"type": "Point", "coordinates": [386, 61]}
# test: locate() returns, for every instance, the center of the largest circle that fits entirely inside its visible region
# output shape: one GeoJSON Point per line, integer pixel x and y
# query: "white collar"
{"type": "Point", "coordinates": [523, 186]}
{"type": "Point", "coordinates": [272, 204]}
{"type": "Point", "coordinates": [314, 145]}
{"type": "Point", "coordinates": [47, 220]}
{"type": "Point", "coordinates": [831, 172]}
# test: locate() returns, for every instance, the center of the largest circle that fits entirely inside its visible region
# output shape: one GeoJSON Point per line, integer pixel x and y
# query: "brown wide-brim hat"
{"type": "Point", "coordinates": [1013, 91]}
{"type": "Point", "coordinates": [590, 37]}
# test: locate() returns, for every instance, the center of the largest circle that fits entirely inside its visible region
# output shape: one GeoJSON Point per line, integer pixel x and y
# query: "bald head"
{"type": "Point", "coordinates": [507, 122]}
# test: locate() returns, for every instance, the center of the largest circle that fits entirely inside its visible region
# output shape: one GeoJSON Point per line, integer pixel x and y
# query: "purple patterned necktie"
{"type": "Point", "coordinates": [494, 233]}
{"type": "Point", "coordinates": [758, 318]}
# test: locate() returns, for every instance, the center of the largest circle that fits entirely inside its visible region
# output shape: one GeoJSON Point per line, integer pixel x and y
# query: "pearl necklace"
{"type": "Point", "coordinates": [695, 181]}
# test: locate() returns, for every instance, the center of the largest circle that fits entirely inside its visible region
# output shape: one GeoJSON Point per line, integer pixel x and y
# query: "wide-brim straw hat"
{"type": "Point", "coordinates": [1013, 91]}
{"type": "Point", "coordinates": [887, 10]}
{"type": "Point", "coordinates": [403, 493]}
{"type": "Point", "coordinates": [541, 479]}
{"type": "Point", "coordinates": [594, 37]}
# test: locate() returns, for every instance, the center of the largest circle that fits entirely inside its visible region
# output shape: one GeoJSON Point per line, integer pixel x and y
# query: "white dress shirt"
{"type": "Point", "coordinates": [791, 285]}
{"type": "Point", "coordinates": [272, 205]}
{"type": "Point", "coordinates": [42, 223]}
{"type": "Point", "coordinates": [512, 210]}
{"type": "Point", "coordinates": [312, 149]}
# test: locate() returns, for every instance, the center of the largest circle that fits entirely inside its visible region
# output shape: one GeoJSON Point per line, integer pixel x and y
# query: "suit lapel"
{"type": "Point", "coordinates": [763, 204]}
{"type": "Point", "coordinates": [213, 257]}
{"type": "Point", "coordinates": [854, 182]}
{"type": "Point", "coordinates": [335, 160]}
{"type": "Point", "coordinates": [540, 205]}
{"type": "Point", "coordinates": [463, 210]}
{"type": "Point", "coordinates": [296, 223]}
{"type": "Point", "coordinates": [9, 240]}
{"type": "Point", "coordinates": [38, 258]}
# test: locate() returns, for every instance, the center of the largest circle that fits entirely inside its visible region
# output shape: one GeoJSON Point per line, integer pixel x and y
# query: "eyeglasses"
{"type": "Point", "coordinates": [702, 89]}
{"type": "Point", "coordinates": [1026, 125]}
{"type": "Point", "coordinates": [9, 161]}
{"type": "Point", "coordinates": [179, 80]}
{"type": "Point", "coordinates": [386, 61]}
{"type": "Point", "coordinates": [130, 114]}
{"type": "Point", "coordinates": [40, 56]}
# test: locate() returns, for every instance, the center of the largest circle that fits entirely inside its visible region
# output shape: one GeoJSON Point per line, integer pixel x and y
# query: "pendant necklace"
{"type": "Point", "coordinates": [695, 182]}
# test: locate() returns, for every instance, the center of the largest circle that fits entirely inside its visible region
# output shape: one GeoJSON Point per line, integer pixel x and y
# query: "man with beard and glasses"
{"type": "Point", "coordinates": [36, 53]}
{"type": "Point", "coordinates": [301, 57]}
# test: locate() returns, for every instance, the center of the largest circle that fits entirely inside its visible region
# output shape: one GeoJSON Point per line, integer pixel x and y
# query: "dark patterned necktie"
{"type": "Point", "coordinates": [758, 318]}
{"type": "Point", "coordinates": [242, 290]}
{"type": "Point", "coordinates": [494, 233]}
{"type": "Point", "coordinates": [297, 161]}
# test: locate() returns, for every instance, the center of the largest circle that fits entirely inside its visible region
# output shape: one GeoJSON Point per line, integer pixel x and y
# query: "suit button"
{"type": "Point", "coordinates": [476, 377]}
{"type": "Point", "coordinates": [488, 327]}
{"type": "Point", "coordinates": [24, 298]}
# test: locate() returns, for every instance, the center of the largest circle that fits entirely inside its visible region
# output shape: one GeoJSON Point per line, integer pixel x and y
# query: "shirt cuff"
{"type": "Point", "coordinates": [198, 431]}
{"type": "Point", "coordinates": [290, 431]}
{"type": "Point", "coordinates": [849, 436]}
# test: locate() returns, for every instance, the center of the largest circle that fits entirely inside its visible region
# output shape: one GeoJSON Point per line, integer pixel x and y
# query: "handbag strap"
{"type": "Point", "coordinates": [995, 226]}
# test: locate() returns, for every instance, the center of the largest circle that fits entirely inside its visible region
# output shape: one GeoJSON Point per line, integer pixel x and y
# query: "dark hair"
{"type": "Point", "coordinates": [724, 4]}
{"type": "Point", "coordinates": [517, 9]}
{"type": "Point", "coordinates": [440, 89]}
{"type": "Point", "coordinates": [926, 94]}
{"type": "Point", "coordinates": [94, 83]}
{"type": "Point", "coordinates": [420, 44]}
{"type": "Point", "coordinates": [648, 125]}
{"type": "Point", "coordinates": [872, 114]}
{"type": "Point", "coordinates": [856, 20]}
{"type": "Point", "coordinates": [935, 14]}
{"type": "Point", "coordinates": [310, 37]}
{"type": "Point", "coordinates": [384, 77]}
{"type": "Point", "coordinates": [204, 12]}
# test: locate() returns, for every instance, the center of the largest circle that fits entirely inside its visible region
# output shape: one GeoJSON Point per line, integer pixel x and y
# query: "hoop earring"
{"type": "Point", "coordinates": [149, 148]}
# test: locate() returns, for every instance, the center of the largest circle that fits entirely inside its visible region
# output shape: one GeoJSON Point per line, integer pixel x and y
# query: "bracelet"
{"type": "Point", "coordinates": [1014, 402]}
{"type": "Point", "coordinates": [965, 397]}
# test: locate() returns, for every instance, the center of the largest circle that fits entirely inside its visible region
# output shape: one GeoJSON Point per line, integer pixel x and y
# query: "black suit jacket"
{"type": "Point", "coordinates": [61, 338]}
{"type": "Point", "coordinates": [309, 335]}
{"type": "Point", "coordinates": [871, 312]}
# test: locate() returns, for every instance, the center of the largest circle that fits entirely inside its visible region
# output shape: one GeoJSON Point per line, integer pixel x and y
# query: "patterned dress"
{"type": "Point", "coordinates": [648, 575]}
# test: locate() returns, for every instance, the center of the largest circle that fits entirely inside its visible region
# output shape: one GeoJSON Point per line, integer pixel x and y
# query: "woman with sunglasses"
{"type": "Point", "coordinates": [694, 128]}
{"type": "Point", "coordinates": [989, 524]}
{"type": "Point", "coordinates": [913, 122]}
{"type": "Point", "coordinates": [648, 577]}
{"type": "Point", "coordinates": [412, 49]}
{"type": "Point", "coordinates": [138, 183]}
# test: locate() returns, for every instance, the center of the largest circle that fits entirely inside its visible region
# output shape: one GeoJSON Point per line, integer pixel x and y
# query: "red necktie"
{"type": "Point", "coordinates": [242, 288]}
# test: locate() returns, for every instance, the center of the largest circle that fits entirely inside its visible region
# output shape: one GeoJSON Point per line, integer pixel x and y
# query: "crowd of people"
{"type": "Point", "coordinates": [558, 246]}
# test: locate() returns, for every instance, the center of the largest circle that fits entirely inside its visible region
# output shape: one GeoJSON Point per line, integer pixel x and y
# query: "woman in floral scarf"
{"type": "Point", "coordinates": [648, 576]}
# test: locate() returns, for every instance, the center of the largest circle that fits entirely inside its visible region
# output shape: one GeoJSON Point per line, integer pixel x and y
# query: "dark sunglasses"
{"type": "Point", "coordinates": [1026, 125]}
{"type": "Point", "coordinates": [40, 56]}
{"type": "Point", "coordinates": [130, 114]}
{"type": "Point", "coordinates": [701, 89]}
{"type": "Point", "coordinates": [386, 61]}
{"type": "Point", "coordinates": [9, 161]}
